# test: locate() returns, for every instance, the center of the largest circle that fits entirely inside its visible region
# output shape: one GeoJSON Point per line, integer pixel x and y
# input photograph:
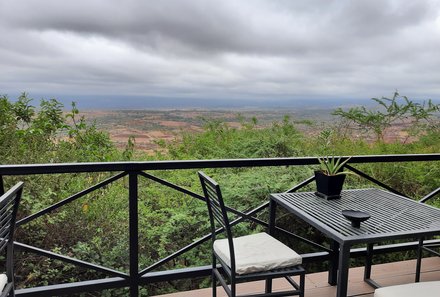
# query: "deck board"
{"type": "Point", "coordinates": [316, 283]}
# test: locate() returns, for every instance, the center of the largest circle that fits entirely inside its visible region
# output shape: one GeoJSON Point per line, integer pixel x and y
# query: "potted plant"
{"type": "Point", "coordinates": [330, 179]}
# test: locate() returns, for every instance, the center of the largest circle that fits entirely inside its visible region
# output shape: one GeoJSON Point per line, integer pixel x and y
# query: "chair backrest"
{"type": "Point", "coordinates": [218, 215]}
{"type": "Point", "coordinates": [9, 202]}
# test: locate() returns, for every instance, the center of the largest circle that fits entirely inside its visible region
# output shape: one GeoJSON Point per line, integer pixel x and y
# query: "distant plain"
{"type": "Point", "coordinates": [150, 126]}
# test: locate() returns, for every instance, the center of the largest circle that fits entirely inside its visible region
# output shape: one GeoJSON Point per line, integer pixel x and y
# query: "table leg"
{"type": "Point", "coordinates": [367, 269]}
{"type": "Point", "coordinates": [344, 265]}
{"type": "Point", "coordinates": [271, 230]}
{"type": "Point", "coordinates": [368, 261]}
{"type": "Point", "coordinates": [272, 214]}
{"type": "Point", "coordinates": [333, 266]}
{"type": "Point", "coordinates": [419, 259]}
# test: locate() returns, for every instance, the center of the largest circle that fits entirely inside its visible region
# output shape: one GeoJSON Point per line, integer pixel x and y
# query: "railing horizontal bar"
{"type": "Point", "coordinates": [192, 272]}
{"type": "Point", "coordinates": [379, 183]}
{"type": "Point", "coordinates": [200, 241]}
{"type": "Point", "coordinates": [26, 169]}
{"type": "Point", "coordinates": [430, 195]}
{"type": "Point", "coordinates": [73, 288]}
{"type": "Point", "coordinates": [70, 260]}
{"type": "Point", "coordinates": [70, 199]}
{"type": "Point", "coordinates": [114, 282]}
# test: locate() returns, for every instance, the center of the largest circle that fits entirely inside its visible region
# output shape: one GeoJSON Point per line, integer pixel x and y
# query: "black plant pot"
{"type": "Point", "coordinates": [329, 186]}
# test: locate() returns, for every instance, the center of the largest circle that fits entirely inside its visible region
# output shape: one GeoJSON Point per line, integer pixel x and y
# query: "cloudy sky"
{"type": "Point", "coordinates": [237, 50]}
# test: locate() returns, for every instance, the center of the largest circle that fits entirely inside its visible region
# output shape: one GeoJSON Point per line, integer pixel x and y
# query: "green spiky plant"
{"type": "Point", "coordinates": [333, 165]}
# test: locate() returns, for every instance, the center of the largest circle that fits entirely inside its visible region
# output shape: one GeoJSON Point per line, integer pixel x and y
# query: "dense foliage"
{"type": "Point", "coordinates": [47, 134]}
{"type": "Point", "coordinates": [94, 228]}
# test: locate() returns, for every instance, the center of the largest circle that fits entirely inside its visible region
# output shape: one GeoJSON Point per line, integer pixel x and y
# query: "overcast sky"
{"type": "Point", "coordinates": [240, 50]}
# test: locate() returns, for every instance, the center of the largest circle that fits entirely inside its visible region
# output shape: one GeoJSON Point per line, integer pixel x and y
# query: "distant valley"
{"type": "Point", "coordinates": [150, 126]}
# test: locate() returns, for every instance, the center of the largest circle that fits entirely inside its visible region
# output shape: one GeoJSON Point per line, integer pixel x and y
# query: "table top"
{"type": "Point", "coordinates": [392, 216]}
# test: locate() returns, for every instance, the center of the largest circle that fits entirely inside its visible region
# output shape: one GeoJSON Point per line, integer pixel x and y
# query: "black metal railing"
{"type": "Point", "coordinates": [136, 170]}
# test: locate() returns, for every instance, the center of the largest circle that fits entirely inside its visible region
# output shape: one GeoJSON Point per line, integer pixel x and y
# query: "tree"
{"type": "Point", "coordinates": [43, 134]}
{"type": "Point", "coordinates": [390, 111]}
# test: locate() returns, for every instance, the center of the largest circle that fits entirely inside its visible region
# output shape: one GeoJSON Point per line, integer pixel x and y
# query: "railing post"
{"type": "Point", "coordinates": [134, 232]}
{"type": "Point", "coordinates": [2, 185]}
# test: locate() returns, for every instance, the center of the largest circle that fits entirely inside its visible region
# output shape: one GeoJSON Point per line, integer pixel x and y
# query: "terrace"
{"type": "Point", "coordinates": [388, 274]}
{"type": "Point", "coordinates": [136, 277]}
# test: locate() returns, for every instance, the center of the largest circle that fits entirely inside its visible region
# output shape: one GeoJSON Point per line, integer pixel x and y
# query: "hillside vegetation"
{"type": "Point", "coordinates": [95, 228]}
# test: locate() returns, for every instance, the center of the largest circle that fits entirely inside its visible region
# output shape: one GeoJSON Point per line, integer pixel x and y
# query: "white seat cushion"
{"type": "Point", "coordinates": [423, 289]}
{"type": "Point", "coordinates": [3, 281]}
{"type": "Point", "coordinates": [257, 252]}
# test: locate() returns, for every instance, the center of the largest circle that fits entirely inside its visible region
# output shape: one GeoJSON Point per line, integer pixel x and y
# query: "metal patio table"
{"type": "Point", "coordinates": [392, 217]}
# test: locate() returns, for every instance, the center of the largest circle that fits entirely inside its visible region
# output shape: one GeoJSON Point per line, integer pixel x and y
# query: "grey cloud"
{"type": "Point", "coordinates": [378, 18]}
{"type": "Point", "coordinates": [322, 48]}
{"type": "Point", "coordinates": [223, 26]}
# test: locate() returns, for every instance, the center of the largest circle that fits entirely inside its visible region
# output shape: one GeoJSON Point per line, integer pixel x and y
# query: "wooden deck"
{"type": "Point", "coordinates": [317, 286]}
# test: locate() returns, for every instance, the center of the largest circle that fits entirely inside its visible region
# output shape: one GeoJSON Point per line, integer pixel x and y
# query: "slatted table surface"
{"type": "Point", "coordinates": [391, 215]}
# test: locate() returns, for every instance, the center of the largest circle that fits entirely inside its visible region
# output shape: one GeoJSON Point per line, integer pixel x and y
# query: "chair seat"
{"type": "Point", "coordinates": [3, 281]}
{"type": "Point", "coordinates": [256, 253]}
{"type": "Point", "coordinates": [425, 289]}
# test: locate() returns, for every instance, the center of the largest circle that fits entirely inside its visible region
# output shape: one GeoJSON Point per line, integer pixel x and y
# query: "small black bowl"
{"type": "Point", "coordinates": [355, 217]}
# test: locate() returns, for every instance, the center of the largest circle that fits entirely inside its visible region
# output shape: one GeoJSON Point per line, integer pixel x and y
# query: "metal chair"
{"type": "Point", "coordinates": [247, 258]}
{"type": "Point", "coordinates": [8, 213]}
